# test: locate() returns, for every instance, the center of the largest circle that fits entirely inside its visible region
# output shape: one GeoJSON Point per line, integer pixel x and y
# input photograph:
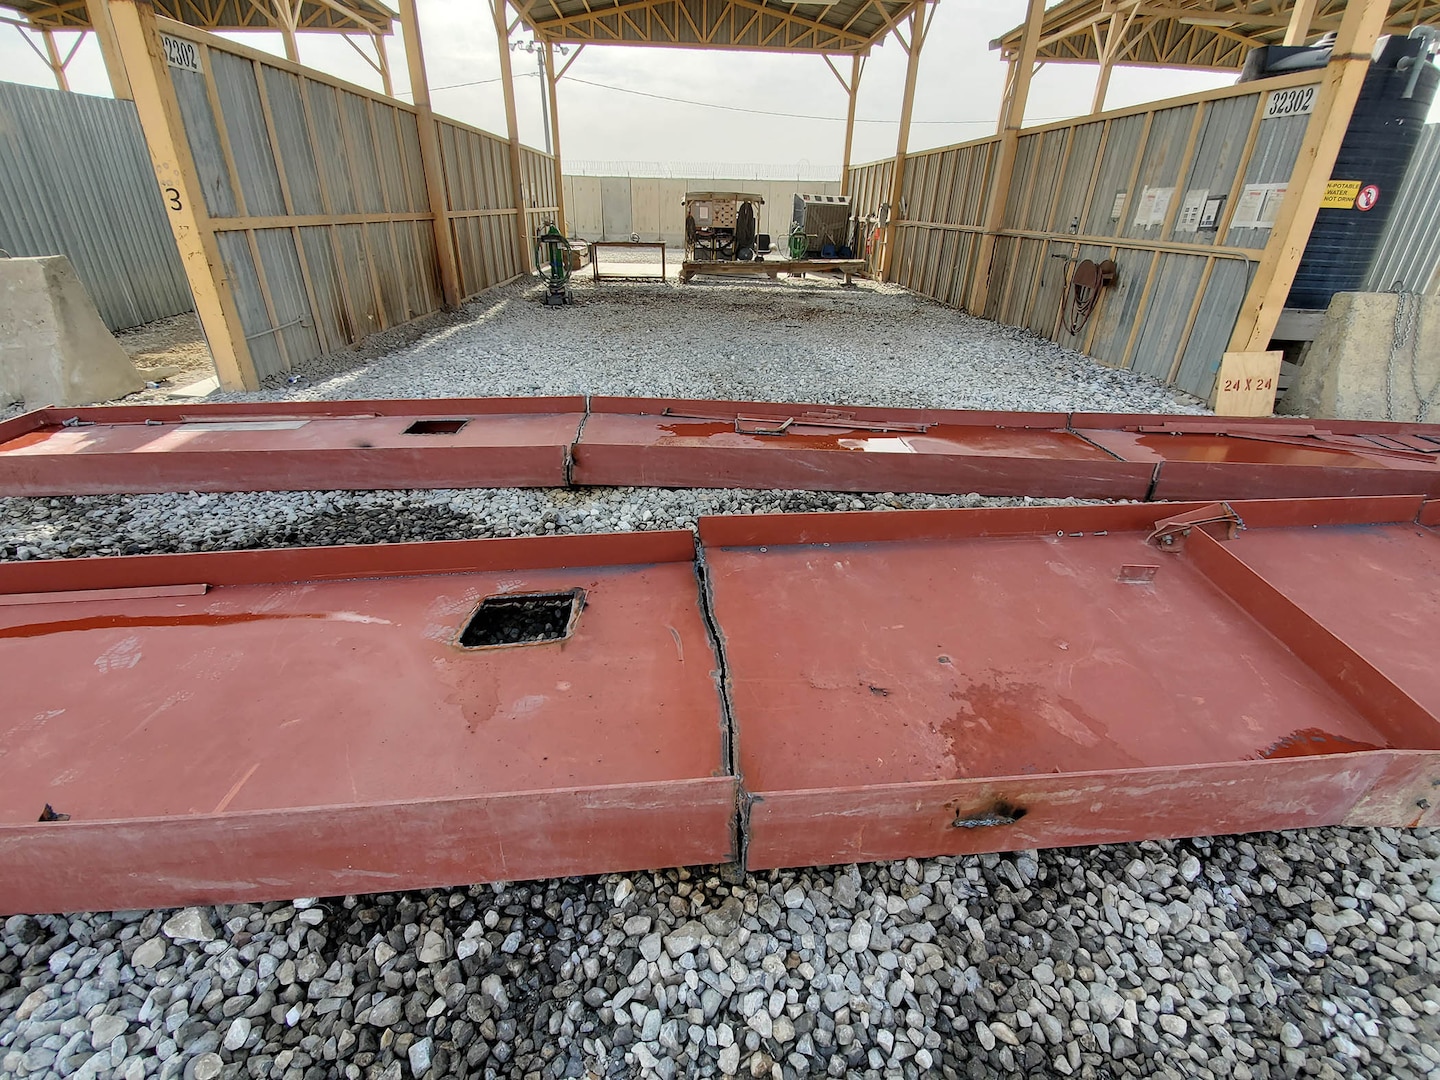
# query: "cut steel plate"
{"type": "Point", "coordinates": [802, 689]}
{"type": "Point", "coordinates": [310, 722]}
{"type": "Point", "coordinates": [291, 446]}
{"type": "Point", "coordinates": [942, 682]}
{"type": "Point", "coordinates": [553, 442]}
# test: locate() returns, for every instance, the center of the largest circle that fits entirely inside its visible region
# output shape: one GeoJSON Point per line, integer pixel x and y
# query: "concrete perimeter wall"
{"type": "Point", "coordinates": [613, 207]}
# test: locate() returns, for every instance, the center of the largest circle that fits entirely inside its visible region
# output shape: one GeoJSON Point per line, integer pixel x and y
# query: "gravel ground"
{"type": "Point", "coordinates": [1274, 955]}
{"type": "Point", "coordinates": [792, 340]}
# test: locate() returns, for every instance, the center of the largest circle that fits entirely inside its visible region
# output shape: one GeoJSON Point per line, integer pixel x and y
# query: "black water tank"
{"type": "Point", "coordinates": [1376, 152]}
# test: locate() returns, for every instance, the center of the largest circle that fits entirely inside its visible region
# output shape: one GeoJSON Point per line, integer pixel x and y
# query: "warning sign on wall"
{"type": "Point", "coordinates": [1340, 194]}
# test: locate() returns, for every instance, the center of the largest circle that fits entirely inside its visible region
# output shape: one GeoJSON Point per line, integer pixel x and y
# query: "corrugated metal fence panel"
{"type": "Point", "coordinates": [77, 182]}
{"type": "Point", "coordinates": [1409, 251]}
{"type": "Point", "coordinates": [1216, 160]}
{"type": "Point", "coordinates": [1129, 187]}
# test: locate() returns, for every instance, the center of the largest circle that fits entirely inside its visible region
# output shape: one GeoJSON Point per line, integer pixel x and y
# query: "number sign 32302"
{"type": "Point", "coordinates": [1295, 101]}
{"type": "Point", "coordinates": [179, 54]}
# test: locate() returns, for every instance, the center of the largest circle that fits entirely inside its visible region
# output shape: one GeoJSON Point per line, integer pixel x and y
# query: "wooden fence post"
{"type": "Point", "coordinates": [159, 109]}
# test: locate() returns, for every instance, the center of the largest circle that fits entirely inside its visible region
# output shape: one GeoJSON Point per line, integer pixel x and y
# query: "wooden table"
{"type": "Point", "coordinates": [773, 268]}
{"type": "Point", "coordinates": [595, 245]}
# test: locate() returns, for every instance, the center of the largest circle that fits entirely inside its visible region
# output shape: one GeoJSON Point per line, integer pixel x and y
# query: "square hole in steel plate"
{"type": "Point", "coordinates": [522, 619]}
{"type": "Point", "coordinates": [435, 427]}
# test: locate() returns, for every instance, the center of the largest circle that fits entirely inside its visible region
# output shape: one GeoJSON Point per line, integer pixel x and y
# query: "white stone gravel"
{"type": "Point", "coordinates": [1311, 954]}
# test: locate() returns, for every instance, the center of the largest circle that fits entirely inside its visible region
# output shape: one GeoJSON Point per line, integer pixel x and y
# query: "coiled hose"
{"type": "Point", "coordinates": [799, 242]}
{"type": "Point", "coordinates": [553, 265]}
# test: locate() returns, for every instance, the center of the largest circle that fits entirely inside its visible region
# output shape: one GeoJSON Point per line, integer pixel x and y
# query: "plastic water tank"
{"type": "Point", "coordinates": [1378, 146]}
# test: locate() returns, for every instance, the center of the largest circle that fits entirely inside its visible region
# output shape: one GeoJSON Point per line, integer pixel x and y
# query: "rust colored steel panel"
{"type": "Point", "coordinates": [674, 442]}
{"type": "Point", "coordinates": [291, 446]}
{"type": "Point", "coordinates": [955, 681]}
{"type": "Point", "coordinates": [919, 820]}
{"type": "Point", "coordinates": [289, 733]}
{"type": "Point", "coordinates": [1201, 465]}
{"type": "Point", "coordinates": [944, 458]}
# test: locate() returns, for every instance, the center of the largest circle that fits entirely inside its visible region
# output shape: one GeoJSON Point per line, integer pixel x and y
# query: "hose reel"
{"type": "Point", "coordinates": [1082, 292]}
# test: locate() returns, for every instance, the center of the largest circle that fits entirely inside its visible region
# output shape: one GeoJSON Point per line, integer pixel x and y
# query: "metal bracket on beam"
{"type": "Point", "coordinates": [1170, 533]}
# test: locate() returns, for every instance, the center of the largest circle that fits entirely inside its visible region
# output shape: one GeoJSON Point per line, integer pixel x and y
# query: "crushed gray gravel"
{"type": "Point", "coordinates": [1309, 954]}
{"type": "Point", "coordinates": [808, 340]}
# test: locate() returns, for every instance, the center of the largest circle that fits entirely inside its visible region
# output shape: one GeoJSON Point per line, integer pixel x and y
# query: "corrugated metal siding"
{"type": "Point", "coordinates": [1409, 252]}
{"type": "Point", "coordinates": [77, 182]}
{"type": "Point", "coordinates": [1174, 303]}
{"type": "Point", "coordinates": [288, 146]}
{"type": "Point", "coordinates": [1219, 307]}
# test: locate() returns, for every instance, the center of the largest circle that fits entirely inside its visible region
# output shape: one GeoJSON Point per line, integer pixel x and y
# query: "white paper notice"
{"type": "Point", "coordinates": [1257, 206]}
{"type": "Point", "coordinates": [1191, 209]}
{"type": "Point", "coordinates": [1161, 207]}
{"type": "Point", "coordinates": [1145, 208]}
{"type": "Point", "coordinates": [1153, 206]}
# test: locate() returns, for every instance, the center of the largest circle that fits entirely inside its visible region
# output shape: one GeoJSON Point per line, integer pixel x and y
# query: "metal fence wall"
{"type": "Point", "coordinates": [316, 191]}
{"type": "Point", "coordinates": [1129, 186]}
{"type": "Point", "coordinates": [75, 180]}
{"type": "Point", "coordinates": [1409, 252]}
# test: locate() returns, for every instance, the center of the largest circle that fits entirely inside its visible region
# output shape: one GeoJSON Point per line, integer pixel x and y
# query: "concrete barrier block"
{"type": "Point", "coordinates": [54, 347]}
{"type": "Point", "coordinates": [1354, 369]}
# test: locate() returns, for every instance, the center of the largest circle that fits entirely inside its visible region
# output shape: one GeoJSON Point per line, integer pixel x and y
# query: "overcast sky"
{"type": "Point", "coordinates": [611, 116]}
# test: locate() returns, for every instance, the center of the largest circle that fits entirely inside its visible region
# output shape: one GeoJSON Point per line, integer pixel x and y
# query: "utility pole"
{"type": "Point", "coordinates": [538, 51]}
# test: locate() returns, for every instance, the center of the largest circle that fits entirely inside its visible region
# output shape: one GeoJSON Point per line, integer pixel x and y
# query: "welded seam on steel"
{"type": "Point", "coordinates": [729, 754]}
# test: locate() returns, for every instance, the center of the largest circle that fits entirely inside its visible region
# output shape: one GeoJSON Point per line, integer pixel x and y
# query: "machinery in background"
{"type": "Point", "coordinates": [554, 265]}
{"type": "Point", "coordinates": [824, 221]}
{"type": "Point", "coordinates": [720, 226]}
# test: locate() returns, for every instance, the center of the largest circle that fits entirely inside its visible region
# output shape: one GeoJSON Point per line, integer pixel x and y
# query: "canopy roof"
{"type": "Point", "coordinates": [344, 16]}
{"type": "Point", "coordinates": [1207, 34]}
{"type": "Point", "coordinates": [844, 26]}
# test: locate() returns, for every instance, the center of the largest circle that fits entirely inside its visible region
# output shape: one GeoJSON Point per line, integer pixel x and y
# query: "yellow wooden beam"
{"type": "Point", "coordinates": [551, 79]}
{"type": "Point", "coordinates": [1013, 120]}
{"type": "Point", "coordinates": [902, 144]}
{"type": "Point", "coordinates": [1334, 104]}
{"type": "Point", "coordinates": [99, 15]}
{"type": "Point", "coordinates": [512, 130]}
{"type": "Point", "coordinates": [857, 68]}
{"type": "Point", "coordinates": [57, 66]}
{"type": "Point", "coordinates": [180, 190]}
{"type": "Point", "coordinates": [1301, 16]}
{"type": "Point", "coordinates": [430, 160]}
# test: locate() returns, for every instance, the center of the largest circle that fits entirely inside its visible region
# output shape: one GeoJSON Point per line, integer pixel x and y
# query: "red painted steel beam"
{"type": "Point", "coordinates": [686, 443]}
{"type": "Point", "coordinates": [352, 445]}
{"type": "Point", "coordinates": [313, 723]}
{"type": "Point", "coordinates": [942, 682]}
{"type": "Point", "coordinates": [806, 689]}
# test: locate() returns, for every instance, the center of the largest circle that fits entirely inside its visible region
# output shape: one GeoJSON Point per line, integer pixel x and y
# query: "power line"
{"type": "Point", "coordinates": [731, 108]}
{"type": "Point", "coordinates": [771, 112]}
